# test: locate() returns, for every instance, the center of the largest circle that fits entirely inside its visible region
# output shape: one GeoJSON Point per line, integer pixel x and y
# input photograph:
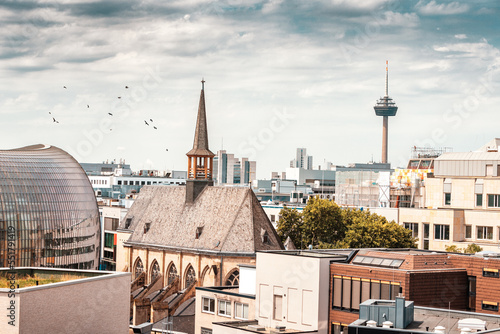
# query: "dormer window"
{"type": "Point", "coordinates": [198, 231]}
{"type": "Point", "coordinates": [146, 227]}
{"type": "Point", "coordinates": [265, 236]}
{"type": "Point", "coordinates": [128, 221]}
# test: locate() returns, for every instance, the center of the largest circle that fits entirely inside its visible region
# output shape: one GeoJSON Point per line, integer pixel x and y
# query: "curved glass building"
{"type": "Point", "coordinates": [48, 212]}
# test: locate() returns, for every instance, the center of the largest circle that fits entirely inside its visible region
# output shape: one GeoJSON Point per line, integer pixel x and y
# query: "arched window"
{"type": "Point", "coordinates": [172, 273]}
{"type": "Point", "coordinates": [233, 278]}
{"type": "Point", "coordinates": [138, 268]}
{"type": "Point", "coordinates": [190, 276]}
{"type": "Point", "coordinates": [155, 270]}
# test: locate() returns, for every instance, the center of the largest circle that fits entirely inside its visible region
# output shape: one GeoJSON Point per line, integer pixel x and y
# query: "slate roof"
{"type": "Point", "coordinates": [200, 144]}
{"type": "Point", "coordinates": [230, 220]}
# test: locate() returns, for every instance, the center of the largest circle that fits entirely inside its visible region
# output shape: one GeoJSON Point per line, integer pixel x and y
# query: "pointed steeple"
{"type": "Point", "coordinates": [200, 158]}
{"type": "Point", "coordinates": [200, 144]}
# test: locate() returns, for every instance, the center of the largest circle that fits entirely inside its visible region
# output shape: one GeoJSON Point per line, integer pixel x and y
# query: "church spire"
{"type": "Point", "coordinates": [200, 157]}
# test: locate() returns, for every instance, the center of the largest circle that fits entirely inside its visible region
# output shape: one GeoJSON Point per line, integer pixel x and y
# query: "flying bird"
{"type": "Point", "coordinates": [119, 97]}
{"type": "Point", "coordinates": [64, 87]}
{"type": "Point", "coordinates": [166, 149]}
{"type": "Point", "coordinates": [151, 119]}
{"type": "Point", "coordinates": [110, 114]}
{"type": "Point", "coordinates": [88, 106]}
{"type": "Point", "coordinates": [155, 127]}
{"type": "Point", "coordinates": [50, 113]}
{"type": "Point", "coordinates": [55, 121]}
{"type": "Point", "coordinates": [146, 123]}
{"type": "Point", "coordinates": [126, 87]}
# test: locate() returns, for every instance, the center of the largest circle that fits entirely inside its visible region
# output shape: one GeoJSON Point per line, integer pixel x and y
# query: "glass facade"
{"type": "Point", "coordinates": [48, 212]}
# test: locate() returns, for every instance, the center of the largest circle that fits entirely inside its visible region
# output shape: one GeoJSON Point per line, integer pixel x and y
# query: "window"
{"type": "Point", "coordinates": [479, 199]}
{"type": "Point", "coordinates": [199, 230]}
{"type": "Point", "coordinates": [490, 273]}
{"type": "Point", "coordinates": [494, 201]}
{"type": "Point", "coordinates": [468, 231]}
{"type": "Point", "coordinates": [119, 182]}
{"type": "Point", "coordinates": [485, 232]}
{"type": "Point", "coordinates": [241, 311]}
{"type": "Point", "coordinates": [225, 308]}
{"type": "Point", "coordinates": [208, 305]}
{"type": "Point", "coordinates": [489, 306]}
{"type": "Point", "coordinates": [273, 218]}
{"type": "Point", "coordinates": [447, 198]}
{"type": "Point", "coordinates": [147, 226]}
{"type": "Point", "coordinates": [441, 232]}
{"type": "Point", "coordinates": [426, 235]}
{"type": "Point", "coordinates": [414, 229]}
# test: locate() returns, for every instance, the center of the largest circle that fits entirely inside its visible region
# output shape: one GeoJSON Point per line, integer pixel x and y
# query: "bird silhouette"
{"type": "Point", "coordinates": [146, 123]}
{"type": "Point", "coordinates": [50, 113]}
{"type": "Point", "coordinates": [126, 87]}
{"type": "Point", "coordinates": [55, 121]}
{"type": "Point", "coordinates": [155, 127]}
{"type": "Point", "coordinates": [151, 119]}
{"type": "Point", "coordinates": [64, 87]}
{"type": "Point", "coordinates": [119, 97]}
{"type": "Point", "coordinates": [110, 114]}
{"type": "Point", "coordinates": [166, 149]}
{"type": "Point", "coordinates": [88, 106]}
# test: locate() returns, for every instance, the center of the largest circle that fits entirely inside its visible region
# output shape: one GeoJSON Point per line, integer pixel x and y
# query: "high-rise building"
{"type": "Point", "coordinates": [302, 160]}
{"type": "Point", "coordinates": [48, 211]}
{"type": "Point", "coordinates": [231, 170]}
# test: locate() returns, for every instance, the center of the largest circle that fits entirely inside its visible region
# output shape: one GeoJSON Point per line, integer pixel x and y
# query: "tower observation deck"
{"type": "Point", "coordinates": [385, 107]}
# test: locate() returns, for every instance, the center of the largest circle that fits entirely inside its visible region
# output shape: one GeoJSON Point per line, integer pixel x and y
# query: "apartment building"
{"type": "Point", "coordinates": [462, 201]}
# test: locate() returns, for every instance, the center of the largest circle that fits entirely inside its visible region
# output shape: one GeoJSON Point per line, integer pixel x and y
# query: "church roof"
{"type": "Point", "coordinates": [200, 145]}
{"type": "Point", "coordinates": [222, 219]}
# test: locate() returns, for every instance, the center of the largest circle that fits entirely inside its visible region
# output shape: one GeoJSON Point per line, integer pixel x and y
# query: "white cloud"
{"type": "Point", "coordinates": [432, 8]}
{"type": "Point", "coordinates": [460, 36]}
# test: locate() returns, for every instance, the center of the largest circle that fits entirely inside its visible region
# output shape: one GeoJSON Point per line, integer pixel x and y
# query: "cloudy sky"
{"type": "Point", "coordinates": [279, 75]}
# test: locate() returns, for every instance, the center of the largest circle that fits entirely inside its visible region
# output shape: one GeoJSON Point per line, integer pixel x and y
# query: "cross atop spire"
{"type": "Point", "coordinates": [202, 84]}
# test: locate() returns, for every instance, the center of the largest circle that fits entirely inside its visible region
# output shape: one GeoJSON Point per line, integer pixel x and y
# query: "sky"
{"type": "Point", "coordinates": [279, 75]}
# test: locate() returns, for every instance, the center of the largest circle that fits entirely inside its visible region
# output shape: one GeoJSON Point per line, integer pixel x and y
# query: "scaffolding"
{"type": "Point", "coordinates": [428, 152]}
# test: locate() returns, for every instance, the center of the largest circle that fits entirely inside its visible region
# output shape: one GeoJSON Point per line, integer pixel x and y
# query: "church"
{"type": "Point", "coordinates": [175, 238]}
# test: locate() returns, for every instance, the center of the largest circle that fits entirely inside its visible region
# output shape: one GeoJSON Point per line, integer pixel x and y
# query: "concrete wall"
{"type": "Point", "coordinates": [247, 280]}
{"type": "Point", "coordinates": [91, 305]}
{"type": "Point", "coordinates": [301, 281]}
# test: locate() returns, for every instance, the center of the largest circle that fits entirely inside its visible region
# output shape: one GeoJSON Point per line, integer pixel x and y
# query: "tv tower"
{"type": "Point", "coordinates": [385, 107]}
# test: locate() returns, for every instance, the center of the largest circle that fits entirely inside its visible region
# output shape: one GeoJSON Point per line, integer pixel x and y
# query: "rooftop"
{"type": "Point", "coordinates": [253, 326]}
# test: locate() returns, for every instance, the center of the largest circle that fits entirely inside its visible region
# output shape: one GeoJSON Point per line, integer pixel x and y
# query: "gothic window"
{"type": "Point", "coordinates": [155, 270]}
{"type": "Point", "coordinates": [139, 268]}
{"type": "Point", "coordinates": [233, 278]}
{"type": "Point", "coordinates": [172, 273]}
{"type": "Point", "coordinates": [190, 276]}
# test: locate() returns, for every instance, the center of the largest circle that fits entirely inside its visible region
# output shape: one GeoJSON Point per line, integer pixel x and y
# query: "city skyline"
{"type": "Point", "coordinates": [279, 75]}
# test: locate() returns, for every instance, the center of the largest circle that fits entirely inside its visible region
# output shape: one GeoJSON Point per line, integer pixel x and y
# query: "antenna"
{"type": "Point", "coordinates": [386, 78]}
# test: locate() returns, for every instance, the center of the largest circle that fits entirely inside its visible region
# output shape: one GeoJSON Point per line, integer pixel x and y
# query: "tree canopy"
{"type": "Point", "coordinates": [323, 224]}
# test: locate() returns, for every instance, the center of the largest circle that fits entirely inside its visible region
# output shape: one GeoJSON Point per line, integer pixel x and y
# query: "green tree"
{"type": "Point", "coordinates": [322, 222]}
{"type": "Point", "coordinates": [290, 225]}
{"type": "Point", "coordinates": [453, 249]}
{"type": "Point", "coordinates": [369, 230]}
{"type": "Point", "coordinates": [472, 249]}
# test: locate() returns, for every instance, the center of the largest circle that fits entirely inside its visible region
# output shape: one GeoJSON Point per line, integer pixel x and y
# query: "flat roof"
{"type": "Point", "coordinates": [253, 326]}
{"type": "Point", "coordinates": [318, 253]}
{"type": "Point", "coordinates": [426, 319]}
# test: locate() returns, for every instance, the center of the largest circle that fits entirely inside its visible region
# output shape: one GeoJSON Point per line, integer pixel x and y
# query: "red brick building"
{"type": "Point", "coordinates": [432, 279]}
